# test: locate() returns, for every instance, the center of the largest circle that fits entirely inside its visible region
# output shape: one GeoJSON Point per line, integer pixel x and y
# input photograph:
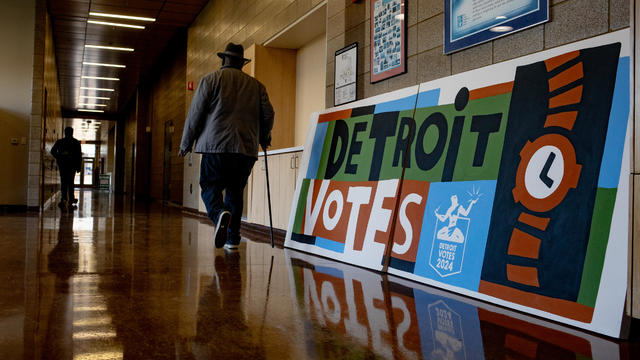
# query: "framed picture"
{"type": "Point", "coordinates": [388, 39]}
{"type": "Point", "coordinates": [346, 70]}
{"type": "Point", "coordinates": [471, 22]}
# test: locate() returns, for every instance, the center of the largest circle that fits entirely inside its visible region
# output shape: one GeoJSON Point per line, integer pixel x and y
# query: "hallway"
{"type": "Point", "coordinates": [122, 280]}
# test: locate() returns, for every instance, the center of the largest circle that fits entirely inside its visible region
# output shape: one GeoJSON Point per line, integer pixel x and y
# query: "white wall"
{"type": "Point", "coordinates": [17, 29]}
{"type": "Point", "coordinates": [310, 84]}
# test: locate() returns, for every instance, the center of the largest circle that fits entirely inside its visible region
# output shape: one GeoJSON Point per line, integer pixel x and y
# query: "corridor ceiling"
{"type": "Point", "coordinates": [79, 25]}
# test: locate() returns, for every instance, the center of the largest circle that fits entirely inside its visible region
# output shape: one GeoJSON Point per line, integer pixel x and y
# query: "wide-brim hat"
{"type": "Point", "coordinates": [234, 50]}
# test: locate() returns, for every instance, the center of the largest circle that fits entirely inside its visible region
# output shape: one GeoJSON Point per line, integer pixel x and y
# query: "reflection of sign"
{"type": "Point", "coordinates": [469, 22]}
{"type": "Point", "coordinates": [505, 188]}
{"type": "Point", "coordinates": [448, 340]}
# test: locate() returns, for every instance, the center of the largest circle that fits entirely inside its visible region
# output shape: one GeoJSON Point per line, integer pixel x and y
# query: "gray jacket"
{"type": "Point", "coordinates": [230, 113]}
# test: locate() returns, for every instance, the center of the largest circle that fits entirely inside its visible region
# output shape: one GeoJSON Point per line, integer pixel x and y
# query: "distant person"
{"type": "Point", "coordinates": [229, 118]}
{"type": "Point", "coordinates": [68, 154]}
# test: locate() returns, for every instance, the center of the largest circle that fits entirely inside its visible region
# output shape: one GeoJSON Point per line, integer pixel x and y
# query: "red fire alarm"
{"type": "Point", "coordinates": [190, 85]}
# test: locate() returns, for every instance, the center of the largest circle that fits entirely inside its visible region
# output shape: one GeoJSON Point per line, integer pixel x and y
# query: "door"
{"type": "Point", "coordinates": [87, 174]}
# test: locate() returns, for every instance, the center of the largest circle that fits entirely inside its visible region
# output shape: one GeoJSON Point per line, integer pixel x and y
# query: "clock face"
{"type": "Point", "coordinates": [544, 172]}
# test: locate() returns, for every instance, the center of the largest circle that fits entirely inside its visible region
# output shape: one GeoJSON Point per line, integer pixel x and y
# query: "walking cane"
{"type": "Point", "coordinates": [266, 171]}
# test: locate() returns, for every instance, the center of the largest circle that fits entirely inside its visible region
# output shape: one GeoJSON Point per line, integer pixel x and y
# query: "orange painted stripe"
{"type": "Point", "coordinates": [492, 90]}
{"type": "Point", "coordinates": [525, 275]}
{"type": "Point", "coordinates": [566, 308]}
{"type": "Point", "coordinates": [554, 62]}
{"type": "Point", "coordinates": [521, 345]}
{"type": "Point", "coordinates": [560, 339]}
{"type": "Point", "coordinates": [525, 245]}
{"type": "Point", "coordinates": [336, 115]}
{"type": "Point", "coordinates": [537, 222]}
{"type": "Point", "coordinates": [568, 97]}
{"type": "Point", "coordinates": [566, 77]}
{"type": "Point", "coordinates": [564, 119]}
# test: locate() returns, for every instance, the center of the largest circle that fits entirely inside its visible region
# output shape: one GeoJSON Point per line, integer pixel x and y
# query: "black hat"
{"type": "Point", "coordinates": [234, 50]}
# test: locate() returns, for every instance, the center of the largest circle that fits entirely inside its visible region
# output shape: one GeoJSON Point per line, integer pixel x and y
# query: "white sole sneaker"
{"type": "Point", "coordinates": [220, 236]}
{"type": "Point", "coordinates": [231, 246]}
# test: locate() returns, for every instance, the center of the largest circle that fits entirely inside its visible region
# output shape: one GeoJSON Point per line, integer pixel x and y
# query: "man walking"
{"type": "Point", "coordinates": [68, 154]}
{"type": "Point", "coordinates": [229, 118]}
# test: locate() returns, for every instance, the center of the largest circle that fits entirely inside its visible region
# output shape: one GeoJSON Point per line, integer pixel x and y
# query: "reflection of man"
{"type": "Point", "coordinates": [451, 232]}
{"type": "Point", "coordinates": [68, 154]}
{"type": "Point", "coordinates": [221, 327]}
{"type": "Point", "coordinates": [230, 116]}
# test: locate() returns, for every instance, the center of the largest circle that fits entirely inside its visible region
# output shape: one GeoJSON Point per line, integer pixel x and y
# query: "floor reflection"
{"type": "Point", "coordinates": [124, 280]}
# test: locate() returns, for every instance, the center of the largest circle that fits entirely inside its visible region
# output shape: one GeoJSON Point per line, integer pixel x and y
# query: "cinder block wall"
{"type": "Point", "coordinates": [570, 21]}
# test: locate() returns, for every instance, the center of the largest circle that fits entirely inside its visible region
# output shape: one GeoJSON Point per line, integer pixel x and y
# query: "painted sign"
{"type": "Point", "coordinates": [471, 22]}
{"type": "Point", "coordinates": [507, 183]}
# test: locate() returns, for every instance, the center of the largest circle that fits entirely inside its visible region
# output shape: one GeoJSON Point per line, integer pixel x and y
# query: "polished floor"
{"type": "Point", "coordinates": [118, 280]}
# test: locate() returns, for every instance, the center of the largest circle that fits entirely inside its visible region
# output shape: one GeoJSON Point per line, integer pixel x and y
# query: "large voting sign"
{"type": "Point", "coordinates": [508, 183]}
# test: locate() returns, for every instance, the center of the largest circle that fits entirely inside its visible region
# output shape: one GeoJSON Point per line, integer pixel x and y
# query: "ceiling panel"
{"type": "Point", "coordinates": [72, 32]}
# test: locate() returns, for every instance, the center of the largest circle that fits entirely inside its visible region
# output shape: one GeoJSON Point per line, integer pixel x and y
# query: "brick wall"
{"type": "Point", "coordinates": [570, 20]}
{"type": "Point", "coordinates": [45, 76]}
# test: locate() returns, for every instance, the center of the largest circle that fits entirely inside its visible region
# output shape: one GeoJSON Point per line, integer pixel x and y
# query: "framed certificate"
{"type": "Point", "coordinates": [346, 70]}
{"type": "Point", "coordinates": [471, 22]}
{"type": "Point", "coordinates": [388, 39]}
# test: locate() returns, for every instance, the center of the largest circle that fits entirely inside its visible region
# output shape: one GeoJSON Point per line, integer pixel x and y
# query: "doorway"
{"type": "Point", "coordinates": [87, 173]}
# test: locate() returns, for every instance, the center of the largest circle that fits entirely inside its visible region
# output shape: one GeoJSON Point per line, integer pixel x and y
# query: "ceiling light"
{"type": "Point", "coordinates": [92, 104]}
{"type": "Point", "coordinates": [109, 47]}
{"type": "Point", "coordinates": [122, 16]}
{"type": "Point", "coordinates": [94, 88]}
{"type": "Point", "coordinates": [100, 64]}
{"type": "Point", "coordinates": [115, 24]}
{"type": "Point", "coordinates": [95, 97]}
{"type": "Point", "coordinates": [91, 110]}
{"type": "Point", "coordinates": [501, 28]}
{"type": "Point", "coordinates": [501, 17]}
{"type": "Point", "coordinates": [100, 78]}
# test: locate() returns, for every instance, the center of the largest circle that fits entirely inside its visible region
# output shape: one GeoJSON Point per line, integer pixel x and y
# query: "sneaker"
{"type": "Point", "coordinates": [232, 245]}
{"type": "Point", "coordinates": [222, 227]}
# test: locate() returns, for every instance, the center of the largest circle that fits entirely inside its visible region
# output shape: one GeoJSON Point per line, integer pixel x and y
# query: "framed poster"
{"type": "Point", "coordinates": [388, 39]}
{"type": "Point", "coordinates": [471, 22]}
{"type": "Point", "coordinates": [346, 70]}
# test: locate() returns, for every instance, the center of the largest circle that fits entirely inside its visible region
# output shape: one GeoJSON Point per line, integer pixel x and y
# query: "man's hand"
{"type": "Point", "coordinates": [266, 142]}
{"type": "Point", "coordinates": [184, 152]}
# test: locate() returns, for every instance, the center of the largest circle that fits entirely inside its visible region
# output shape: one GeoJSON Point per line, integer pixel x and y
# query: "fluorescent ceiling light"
{"type": "Point", "coordinates": [109, 47]}
{"type": "Point", "coordinates": [94, 88]}
{"type": "Point", "coordinates": [91, 110]}
{"type": "Point", "coordinates": [92, 104]}
{"type": "Point", "coordinates": [101, 64]}
{"type": "Point", "coordinates": [115, 24]}
{"type": "Point", "coordinates": [141, 18]}
{"type": "Point", "coordinates": [501, 28]}
{"type": "Point", "coordinates": [95, 97]}
{"type": "Point", "coordinates": [100, 78]}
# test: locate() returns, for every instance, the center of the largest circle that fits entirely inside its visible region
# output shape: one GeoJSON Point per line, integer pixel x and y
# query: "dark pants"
{"type": "Point", "coordinates": [228, 172]}
{"type": "Point", "coordinates": [66, 183]}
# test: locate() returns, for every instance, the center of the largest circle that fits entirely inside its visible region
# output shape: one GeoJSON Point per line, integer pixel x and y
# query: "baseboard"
{"type": "Point", "coordinates": [13, 208]}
